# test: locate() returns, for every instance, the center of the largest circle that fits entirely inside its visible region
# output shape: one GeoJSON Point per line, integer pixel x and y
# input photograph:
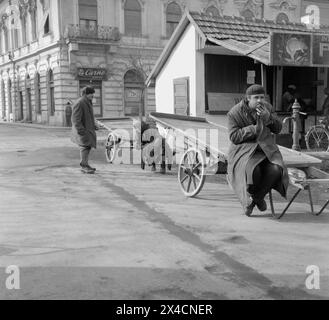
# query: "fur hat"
{"type": "Point", "coordinates": [255, 89]}
{"type": "Point", "coordinates": [88, 90]}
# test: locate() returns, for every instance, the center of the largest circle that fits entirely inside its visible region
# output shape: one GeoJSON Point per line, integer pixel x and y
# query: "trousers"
{"type": "Point", "coordinates": [84, 155]}
{"type": "Point", "coordinates": [265, 176]}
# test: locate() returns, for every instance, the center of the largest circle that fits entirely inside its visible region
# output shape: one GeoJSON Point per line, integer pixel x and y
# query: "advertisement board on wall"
{"type": "Point", "coordinates": [321, 50]}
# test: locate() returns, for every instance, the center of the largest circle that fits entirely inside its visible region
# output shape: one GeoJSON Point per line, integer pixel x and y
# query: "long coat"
{"type": "Point", "coordinates": [244, 142]}
{"type": "Point", "coordinates": [83, 123]}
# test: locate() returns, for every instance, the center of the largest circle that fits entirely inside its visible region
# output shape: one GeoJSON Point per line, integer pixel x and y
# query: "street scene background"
{"type": "Point", "coordinates": [125, 233]}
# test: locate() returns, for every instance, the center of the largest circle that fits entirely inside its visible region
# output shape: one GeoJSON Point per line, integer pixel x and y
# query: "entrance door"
{"type": "Point", "coordinates": [29, 104]}
{"type": "Point", "coordinates": [97, 102]}
{"type": "Point", "coordinates": [181, 96]}
{"type": "Point", "coordinates": [134, 100]}
{"type": "Point", "coordinates": [21, 105]}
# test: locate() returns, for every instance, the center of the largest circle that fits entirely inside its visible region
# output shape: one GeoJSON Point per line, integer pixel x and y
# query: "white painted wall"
{"type": "Point", "coordinates": [180, 64]}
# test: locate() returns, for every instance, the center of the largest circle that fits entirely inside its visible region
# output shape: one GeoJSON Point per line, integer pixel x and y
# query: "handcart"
{"type": "Point", "coordinates": [133, 134]}
{"type": "Point", "coordinates": [119, 136]}
{"type": "Point", "coordinates": [205, 146]}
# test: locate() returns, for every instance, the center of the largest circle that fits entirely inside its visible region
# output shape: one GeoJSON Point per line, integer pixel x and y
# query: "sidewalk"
{"type": "Point", "coordinates": [33, 125]}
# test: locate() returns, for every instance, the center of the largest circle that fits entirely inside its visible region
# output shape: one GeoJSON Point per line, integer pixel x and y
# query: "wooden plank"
{"type": "Point", "coordinates": [182, 124]}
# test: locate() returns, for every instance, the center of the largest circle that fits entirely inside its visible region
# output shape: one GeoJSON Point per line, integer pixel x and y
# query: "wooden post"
{"type": "Point", "coordinates": [264, 79]}
{"type": "Point", "coordinates": [278, 88]}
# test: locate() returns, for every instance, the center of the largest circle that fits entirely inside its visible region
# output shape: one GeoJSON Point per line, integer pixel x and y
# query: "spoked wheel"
{"type": "Point", "coordinates": [191, 172]}
{"type": "Point", "coordinates": [111, 147]}
{"type": "Point", "coordinates": [317, 139]}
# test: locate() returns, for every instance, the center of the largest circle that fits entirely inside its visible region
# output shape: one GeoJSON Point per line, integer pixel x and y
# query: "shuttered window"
{"type": "Point", "coordinates": [133, 18]}
{"type": "Point", "coordinates": [173, 16]}
{"type": "Point", "coordinates": [88, 14]}
{"type": "Point", "coordinates": [181, 96]}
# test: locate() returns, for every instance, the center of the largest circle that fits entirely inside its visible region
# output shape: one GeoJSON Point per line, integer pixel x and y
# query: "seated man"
{"type": "Point", "coordinates": [255, 164]}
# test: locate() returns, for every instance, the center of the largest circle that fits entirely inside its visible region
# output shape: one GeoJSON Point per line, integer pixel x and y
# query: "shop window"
{"type": "Point", "coordinates": [51, 92]}
{"type": "Point", "coordinates": [212, 11]}
{"type": "Point", "coordinates": [133, 87]}
{"type": "Point", "coordinates": [282, 18]}
{"type": "Point", "coordinates": [173, 16]}
{"type": "Point", "coordinates": [133, 17]}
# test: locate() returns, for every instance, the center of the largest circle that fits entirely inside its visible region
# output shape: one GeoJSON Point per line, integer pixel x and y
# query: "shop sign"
{"type": "Point", "coordinates": [91, 74]}
{"type": "Point", "coordinates": [321, 50]}
{"type": "Point", "coordinates": [289, 49]}
{"type": "Point", "coordinates": [308, 50]}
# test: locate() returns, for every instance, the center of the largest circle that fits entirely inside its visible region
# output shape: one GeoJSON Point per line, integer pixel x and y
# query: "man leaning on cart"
{"type": "Point", "coordinates": [255, 164]}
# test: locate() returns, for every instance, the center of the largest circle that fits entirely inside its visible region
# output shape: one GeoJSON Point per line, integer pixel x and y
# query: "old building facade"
{"type": "Point", "coordinates": [50, 49]}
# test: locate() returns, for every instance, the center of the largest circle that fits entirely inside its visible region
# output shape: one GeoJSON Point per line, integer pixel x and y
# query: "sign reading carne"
{"type": "Point", "coordinates": [91, 74]}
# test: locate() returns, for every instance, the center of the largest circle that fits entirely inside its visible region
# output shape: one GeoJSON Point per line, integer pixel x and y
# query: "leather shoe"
{"type": "Point", "coordinates": [89, 167]}
{"type": "Point", "coordinates": [261, 205]}
{"type": "Point", "coordinates": [87, 170]}
{"type": "Point", "coordinates": [249, 208]}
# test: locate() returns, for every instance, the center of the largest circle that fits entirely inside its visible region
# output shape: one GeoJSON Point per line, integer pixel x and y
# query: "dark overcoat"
{"type": "Point", "coordinates": [83, 123]}
{"type": "Point", "coordinates": [244, 142]}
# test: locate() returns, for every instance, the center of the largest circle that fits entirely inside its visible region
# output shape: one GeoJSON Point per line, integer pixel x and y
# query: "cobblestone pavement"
{"type": "Point", "coordinates": [125, 233]}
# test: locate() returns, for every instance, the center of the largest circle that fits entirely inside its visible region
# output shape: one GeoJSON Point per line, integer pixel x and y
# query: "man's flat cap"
{"type": "Point", "coordinates": [255, 89]}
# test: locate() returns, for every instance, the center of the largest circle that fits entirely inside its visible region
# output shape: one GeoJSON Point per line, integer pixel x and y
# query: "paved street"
{"type": "Point", "coordinates": [125, 233]}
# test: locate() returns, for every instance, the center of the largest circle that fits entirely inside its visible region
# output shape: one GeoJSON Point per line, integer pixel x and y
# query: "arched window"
{"type": "Point", "coordinates": [212, 11]}
{"type": "Point", "coordinates": [24, 31]}
{"type": "Point", "coordinates": [51, 92]}
{"type": "Point", "coordinates": [88, 14]}
{"type": "Point", "coordinates": [248, 14]}
{"type": "Point", "coordinates": [37, 93]}
{"type": "Point", "coordinates": [173, 16]}
{"type": "Point", "coordinates": [282, 18]}
{"type": "Point", "coordinates": [133, 17]}
{"type": "Point", "coordinates": [6, 38]}
{"type": "Point", "coordinates": [33, 15]}
{"type": "Point", "coordinates": [134, 84]}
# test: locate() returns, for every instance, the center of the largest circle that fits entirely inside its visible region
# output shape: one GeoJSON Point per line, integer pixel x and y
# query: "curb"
{"type": "Point", "coordinates": [34, 126]}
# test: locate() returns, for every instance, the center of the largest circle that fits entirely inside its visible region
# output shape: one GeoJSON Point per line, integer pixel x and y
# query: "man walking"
{"type": "Point", "coordinates": [83, 127]}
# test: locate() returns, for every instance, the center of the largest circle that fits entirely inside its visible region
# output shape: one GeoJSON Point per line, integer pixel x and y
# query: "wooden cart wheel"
{"type": "Point", "coordinates": [111, 148]}
{"type": "Point", "coordinates": [191, 172]}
